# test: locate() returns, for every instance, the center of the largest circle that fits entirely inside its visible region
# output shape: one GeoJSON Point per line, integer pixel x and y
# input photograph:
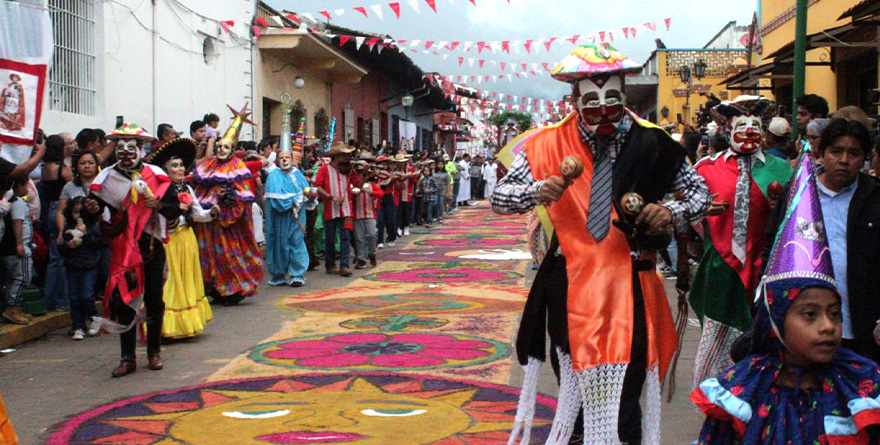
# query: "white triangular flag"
{"type": "Point", "coordinates": [534, 66]}
{"type": "Point", "coordinates": [377, 9]}
{"type": "Point", "coordinates": [479, 79]}
{"type": "Point", "coordinates": [379, 48]}
{"type": "Point", "coordinates": [415, 5]}
{"type": "Point", "coordinates": [339, 12]}
{"type": "Point", "coordinates": [516, 44]}
{"type": "Point", "coordinates": [445, 56]}
{"type": "Point", "coordinates": [308, 16]}
{"type": "Point", "coordinates": [414, 43]}
{"type": "Point", "coordinates": [495, 46]}
{"type": "Point", "coordinates": [452, 2]}
{"type": "Point", "coordinates": [467, 46]}
{"type": "Point", "coordinates": [441, 44]}
{"type": "Point", "coordinates": [538, 44]}
{"type": "Point", "coordinates": [471, 62]}
{"type": "Point", "coordinates": [359, 41]}
{"type": "Point", "coordinates": [277, 19]}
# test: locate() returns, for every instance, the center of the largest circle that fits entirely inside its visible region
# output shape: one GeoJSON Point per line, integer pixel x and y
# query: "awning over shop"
{"type": "Point", "coordinates": [838, 37]}
{"type": "Point", "coordinates": [750, 79]}
{"type": "Point", "coordinates": [308, 52]}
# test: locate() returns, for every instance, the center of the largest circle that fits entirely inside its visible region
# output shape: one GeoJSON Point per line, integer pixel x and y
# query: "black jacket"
{"type": "Point", "coordinates": [863, 254]}
{"type": "Point", "coordinates": [88, 254]}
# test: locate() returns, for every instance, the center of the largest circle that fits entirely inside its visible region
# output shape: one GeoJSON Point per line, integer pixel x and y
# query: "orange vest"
{"type": "Point", "coordinates": [600, 288]}
{"type": "Point", "coordinates": [7, 434]}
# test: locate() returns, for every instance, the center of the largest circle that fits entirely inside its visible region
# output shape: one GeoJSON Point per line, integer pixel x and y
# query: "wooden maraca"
{"type": "Point", "coordinates": [571, 168]}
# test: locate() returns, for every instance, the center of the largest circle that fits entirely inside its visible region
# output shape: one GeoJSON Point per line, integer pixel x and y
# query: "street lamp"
{"type": "Point", "coordinates": [407, 101]}
{"type": "Point", "coordinates": [685, 73]}
{"type": "Point", "coordinates": [700, 69]}
{"type": "Point", "coordinates": [298, 83]}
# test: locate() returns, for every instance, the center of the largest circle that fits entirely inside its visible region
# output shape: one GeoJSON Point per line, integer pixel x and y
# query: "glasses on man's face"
{"type": "Point", "coordinates": [813, 137]}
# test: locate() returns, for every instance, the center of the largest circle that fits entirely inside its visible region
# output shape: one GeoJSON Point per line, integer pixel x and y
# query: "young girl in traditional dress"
{"type": "Point", "coordinates": [187, 309]}
{"type": "Point", "coordinates": [798, 386]}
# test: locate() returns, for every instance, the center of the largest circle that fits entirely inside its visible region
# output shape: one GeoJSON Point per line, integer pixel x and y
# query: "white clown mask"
{"type": "Point", "coordinates": [601, 103]}
{"type": "Point", "coordinates": [745, 133]}
{"type": "Point", "coordinates": [285, 160]}
{"type": "Point", "coordinates": [224, 150]}
{"type": "Point", "coordinates": [128, 153]}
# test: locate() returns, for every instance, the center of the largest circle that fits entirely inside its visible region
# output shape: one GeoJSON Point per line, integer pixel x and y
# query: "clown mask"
{"type": "Point", "coordinates": [745, 133]}
{"type": "Point", "coordinates": [176, 170]}
{"type": "Point", "coordinates": [601, 103]}
{"type": "Point", "coordinates": [128, 153]}
{"type": "Point", "coordinates": [224, 150]}
{"type": "Point", "coordinates": [285, 160]}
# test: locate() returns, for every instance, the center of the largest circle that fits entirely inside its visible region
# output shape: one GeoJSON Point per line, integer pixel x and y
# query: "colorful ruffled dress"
{"type": "Point", "coordinates": [231, 260]}
{"type": "Point", "coordinates": [749, 403]}
{"type": "Point", "coordinates": [187, 310]}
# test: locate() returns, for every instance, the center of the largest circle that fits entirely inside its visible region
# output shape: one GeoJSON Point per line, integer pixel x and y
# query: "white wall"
{"type": "Point", "coordinates": [177, 86]}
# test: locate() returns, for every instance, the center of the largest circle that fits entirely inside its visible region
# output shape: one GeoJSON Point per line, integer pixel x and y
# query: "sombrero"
{"type": "Point", "coordinates": [753, 105]}
{"type": "Point", "coordinates": [593, 60]}
{"type": "Point", "coordinates": [339, 148]}
{"type": "Point", "coordinates": [130, 131]}
{"type": "Point", "coordinates": [400, 157]}
{"type": "Point", "coordinates": [183, 148]}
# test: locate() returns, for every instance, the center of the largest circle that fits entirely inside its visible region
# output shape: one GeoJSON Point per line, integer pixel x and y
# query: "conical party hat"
{"type": "Point", "coordinates": [238, 119]}
{"type": "Point", "coordinates": [593, 60]}
{"type": "Point", "coordinates": [801, 257]}
{"type": "Point", "coordinates": [298, 141]}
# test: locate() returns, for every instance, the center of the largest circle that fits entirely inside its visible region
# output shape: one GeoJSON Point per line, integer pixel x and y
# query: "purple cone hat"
{"type": "Point", "coordinates": [800, 258]}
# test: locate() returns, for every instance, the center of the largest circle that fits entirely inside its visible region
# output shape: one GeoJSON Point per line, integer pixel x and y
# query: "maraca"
{"type": "Point", "coordinates": [571, 168]}
{"type": "Point", "coordinates": [632, 204]}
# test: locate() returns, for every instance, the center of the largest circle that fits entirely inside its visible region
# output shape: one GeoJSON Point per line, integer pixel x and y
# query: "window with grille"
{"type": "Point", "coordinates": [73, 77]}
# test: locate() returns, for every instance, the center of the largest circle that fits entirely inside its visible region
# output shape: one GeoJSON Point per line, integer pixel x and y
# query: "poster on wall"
{"type": "Point", "coordinates": [21, 101]}
{"type": "Point", "coordinates": [408, 132]}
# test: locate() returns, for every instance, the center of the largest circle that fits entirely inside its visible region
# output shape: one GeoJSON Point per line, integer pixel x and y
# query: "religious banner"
{"type": "Point", "coordinates": [408, 132]}
{"type": "Point", "coordinates": [21, 99]}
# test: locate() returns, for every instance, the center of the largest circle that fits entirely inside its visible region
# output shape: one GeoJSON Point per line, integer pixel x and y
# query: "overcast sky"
{"type": "Point", "coordinates": [693, 23]}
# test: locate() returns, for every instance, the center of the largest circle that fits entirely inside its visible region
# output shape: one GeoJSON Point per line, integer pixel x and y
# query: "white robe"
{"type": "Point", "coordinates": [490, 175]}
{"type": "Point", "coordinates": [464, 190]}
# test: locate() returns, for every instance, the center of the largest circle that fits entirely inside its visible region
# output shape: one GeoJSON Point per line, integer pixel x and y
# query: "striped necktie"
{"type": "Point", "coordinates": [599, 213]}
{"type": "Point", "coordinates": [741, 208]}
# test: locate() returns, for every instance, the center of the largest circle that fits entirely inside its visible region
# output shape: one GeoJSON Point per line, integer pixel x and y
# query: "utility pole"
{"type": "Point", "coordinates": [800, 59]}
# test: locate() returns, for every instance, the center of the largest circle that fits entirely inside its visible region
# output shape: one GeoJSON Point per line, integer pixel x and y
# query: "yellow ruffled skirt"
{"type": "Point", "coordinates": [187, 309]}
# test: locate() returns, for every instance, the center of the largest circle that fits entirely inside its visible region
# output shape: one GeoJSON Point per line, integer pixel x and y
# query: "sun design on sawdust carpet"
{"type": "Point", "coordinates": [364, 409]}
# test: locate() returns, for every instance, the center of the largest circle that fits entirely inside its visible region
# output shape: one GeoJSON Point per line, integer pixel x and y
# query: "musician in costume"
{"type": "Point", "coordinates": [287, 192]}
{"type": "Point", "coordinates": [136, 197]}
{"type": "Point", "coordinates": [743, 180]}
{"type": "Point", "coordinates": [613, 336]}
{"type": "Point", "coordinates": [333, 184]}
{"type": "Point", "coordinates": [187, 310]}
{"type": "Point", "coordinates": [232, 265]}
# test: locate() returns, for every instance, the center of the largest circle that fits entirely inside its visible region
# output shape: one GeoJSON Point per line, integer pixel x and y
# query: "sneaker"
{"type": "Point", "coordinates": [79, 335]}
{"type": "Point", "coordinates": [333, 271]}
{"type": "Point", "coordinates": [15, 315]}
{"type": "Point", "coordinates": [344, 272]}
{"type": "Point", "coordinates": [360, 264]}
{"type": "Point", "coordinates": [427, 226]}
{"type": "Point", "coordinates": [278, 282]}
{"type": "Point", "coordinates": [94, 329]}
{"type": "Point", "coordinates": [391, 244]}
{"type": "Point", "coordinates": [406, 231]}
{"type": "Point", "coordinates": [373, 261]}
{"type": "Point", "coordinates": [399, 232]}
{"type": "Point", "coordinates": [380, 246]}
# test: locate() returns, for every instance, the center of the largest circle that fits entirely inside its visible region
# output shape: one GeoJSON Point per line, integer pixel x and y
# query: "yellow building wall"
{"type": "Point", "coordinates": [821, 15]}
{"type": "Point", "coordinates": [668, 80]}
{"type": "Point", "coordinates": [275, 76]}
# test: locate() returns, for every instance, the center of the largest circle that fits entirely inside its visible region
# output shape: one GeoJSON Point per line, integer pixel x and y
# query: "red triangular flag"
{"type": "Point", "coordinates": [505, 46]}
{"type": "Point", "coordinates": [396, 8]}
{"type": "Point", "coordinates": [501, 76]}
{"type": "Point", "coordinates": [372, 42]}
{"type": "Point", "coordinates": [601, 36]}
{"type": "Point", "coordinates": [480, 47]}
{"type": "Point", "coordinates": [429, 44]}
{"type": "Point", "coordinates": [432, 4]}
{"type": "Point", "coordinates": [548, 42]}
{"type": "Point", "coordinates": [261, 21]}
{"type": "Point", "coordinates": [667, 22]}
{"type": "Point", "coordinates": [257, 31]}
{"type": "Point", "coordinates": [574, 39]}
{"type": "Point", "coordinates": [525, 66]}
{"type": "Point", "coordinates": [626, 33]}
{"type": "Point", "coordinates": [611, 36]}
{"type": "Point", "coordinates": [546, 66]}
{"type": "Point", "coordinates": [226, 24]}
{"type": "Point", "coordinates": [632, 32]}
{"type": "Point", "coordinates": [481, 61]}
{"type": "Point", "coordinates": [326, 14]}
{"type": "Point", "coordinates": [651, 25]}
{"type": "Point", "coordinates": [528, 46]}
{"type": "Point", "coordinates": [361, 10]}
{"type": "Point", "coordinates": [485, 78]}
{"type": "Point", "coordinates": [293, 17]}
{"type": "Point", "coordinates": [453, 45]}
{"type": "Point", "coordinates": [460, 61]}
{"type": "Point", "coordinates": [473, 79]}
{"type": "Point", "coordinates": [473, 2]}
{"type": "Point", "coordinates": [343, 39]}
{"type": "Point", "coordinates": [503, 65]}
{"type": "Point", "coordinates": [401, 42]}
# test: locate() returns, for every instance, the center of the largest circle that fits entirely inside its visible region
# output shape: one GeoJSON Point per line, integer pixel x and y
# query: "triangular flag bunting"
{"type": "Point", "coordinates": [396, 8]}
{"type": "Point", "coordinates": [343, 39]}
{"type": "Point", "coordinates": [429, 44]}
{"type": "Point", "coordinates": [293, 17]}
{"type": "Point", "coordinates": [226, 24]}
{"type": "Point", "coordinates": [277, 19]}
{"type": "Point", "coordinates": [432, 4]}
{"type": "Point", "coordinates": [651, 25]}
{"type": "Point", "coordinates": [326, 14]}
{"type": "Point", "coordinates": [257, 31]}
{"type": "Point", "coordinates": [372, 42]}
{"type": "Point", "coordinates": [667, 22]}
{"type": "Point", "coordinates": [601, 36]}
{"type": "Point", "coordinates": [339, 12]}
{"type": "Point", "coordinates": [415, 5]}
{"type": "Point", "coordinates": [632, 31]}
{"type": "Point", "coordinates": [377, 9]}
{"type": "Point", "coordinates": [453, 45]}
{"type": "Point", "coordinates": [503, 66]}
{"type": "Point", "coordinates": [262, 22]}
{"type": "Point", "coordinates": [528, 46]}
{"type": "Point", "coordinates": [359, 41]}
{"type": "Point", "coordinates": [473, 2]}
{"type": "Point", "coordinates": [361, 10]}
{"type": "Point", "coordinates": [574, 39]}
{"type": "Point", "coordinates": [460, 61]}
{"type": "Point", "coordinates": [549, 42]}
{"type": "Point", "coordinates": [625, 33]}
{"type": "Point", "coordinates": [480, 47]}
{"type": "Point", "coordinates": [546, 66]}
{"type": "Point", "coordinates": [481, 62]}
{"type": "Point", "coordinates": [505, 46]}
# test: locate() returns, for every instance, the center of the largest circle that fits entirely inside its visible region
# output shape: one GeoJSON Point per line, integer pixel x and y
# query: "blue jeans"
{"type": "Point", "coordinates": [428, 206]}
{"type": "Point", "coordinates": [331, 226]}
{"type": "Point", "coordinates": [455, 188]}
{"type": "Point", "coordinates": [387, 220]}
{"type": "Point", "coordinates": [55, 292]}
{"type": "Point", "coordinates": [440, 203]}
{"type": "Point", "coordinates": [81, 290]}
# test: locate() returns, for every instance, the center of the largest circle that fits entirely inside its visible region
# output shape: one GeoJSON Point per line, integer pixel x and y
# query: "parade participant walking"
{"type": "Point", "coordinates": [797, 385]}
{"type": "Point", "coordinates": [613, 336]}
{"type": "Point", "coordinates": [365, 204]}
{"type": "Point", "coordinates": [287, 257]}
{"type": "Point", "coordinates": [442, 179]}
{"type": "Point", "coordinates": [136, 195]}
{"type": "Point", "coordinates": [187, 310]}
{"type": "Point", "coordinates": [334, 182]}
{"type": "Point", "coordinates": [232, 265]}
{"type": "Point", "coordinates": [387, 217]}
{"type": "Point", "coordinates": [464, 190]}
{"type": "Point", "coordinates": [490, 175]}
{"type": "Point", "coordinates": [745, 183]}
